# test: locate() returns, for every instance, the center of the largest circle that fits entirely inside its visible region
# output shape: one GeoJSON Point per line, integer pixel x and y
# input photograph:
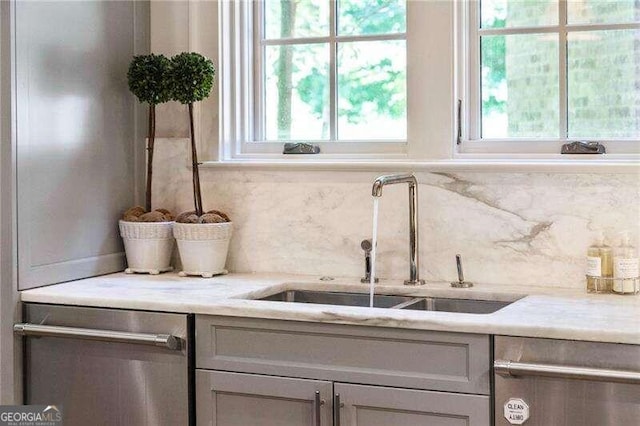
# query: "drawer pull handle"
{"type": "Point", "coordinates": [514, 369]}
{"type": "Point", "coordinates": [336, 410]}
{"type": "Point", "coordinates": [163, 340]}
{"type": "Point", "coordinates": [317, 403]}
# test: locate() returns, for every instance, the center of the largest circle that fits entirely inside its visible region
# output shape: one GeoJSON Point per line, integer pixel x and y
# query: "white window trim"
{"type": "Point", "coordinates": [439, 69]}
{"type": "Point", "coordinates": [237, 113]}
{"type": "Point", "coordinates": [471, 145]}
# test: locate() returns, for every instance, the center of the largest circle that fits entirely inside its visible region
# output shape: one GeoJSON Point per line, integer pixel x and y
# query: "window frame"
{"type": "Point", "coordinates": [436, 64]}
{"type": "Point", "coordinates": [469, 142]}
{"type": "Point", "coordinates": [238, 32]}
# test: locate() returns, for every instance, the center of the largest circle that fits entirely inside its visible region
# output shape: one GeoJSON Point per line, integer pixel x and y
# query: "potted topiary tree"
{"type": "Point", "coordinates": [147, 233]}
{"type": "Point", "coordinates": [202, 236]}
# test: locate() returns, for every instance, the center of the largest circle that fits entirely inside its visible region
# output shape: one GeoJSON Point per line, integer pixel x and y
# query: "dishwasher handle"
{"type": "Point", "coordinates": [515, 369]}
{"type": "Point", "coordinates": [162, 340]}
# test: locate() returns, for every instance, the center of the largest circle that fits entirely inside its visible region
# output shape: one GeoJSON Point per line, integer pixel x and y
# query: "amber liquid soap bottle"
{"type": "Point", "coordinates": [599, 265]}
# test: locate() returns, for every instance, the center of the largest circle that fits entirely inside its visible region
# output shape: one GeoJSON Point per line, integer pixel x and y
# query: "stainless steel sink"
{"type": "Point", "coordinates": [467, 306]}
{"type": "Point", "coordinates": [337, 298]}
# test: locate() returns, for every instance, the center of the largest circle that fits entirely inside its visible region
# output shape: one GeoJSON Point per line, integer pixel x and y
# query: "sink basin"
{"type": "Point", "coordinates": [338, 298]}
{"type": "Point", "coordinates": [467, 306]}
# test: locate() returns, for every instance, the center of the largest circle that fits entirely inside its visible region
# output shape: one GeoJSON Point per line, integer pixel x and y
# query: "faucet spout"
{"type": "Point", "coordinates": [381, 181]}
{"type": "Point", "coordinates": [376, 191]}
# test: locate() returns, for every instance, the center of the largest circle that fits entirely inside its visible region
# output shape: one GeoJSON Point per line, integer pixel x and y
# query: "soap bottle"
{"type": "Point", "coordinates": [626, 267]}
{"type": "Point", "coordinates": [606, 256]}
{"type": "Point", "coordinates": [599, 265]}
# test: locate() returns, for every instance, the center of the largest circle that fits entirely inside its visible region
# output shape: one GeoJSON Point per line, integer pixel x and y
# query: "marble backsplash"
{"type": "Point", "coordinates": [511, 228]}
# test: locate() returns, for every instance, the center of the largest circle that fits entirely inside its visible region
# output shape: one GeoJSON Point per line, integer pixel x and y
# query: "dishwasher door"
{"type": "Point", "coordinates": [566, 383]}
{"type": "Point", "coordinates": [107, 366]}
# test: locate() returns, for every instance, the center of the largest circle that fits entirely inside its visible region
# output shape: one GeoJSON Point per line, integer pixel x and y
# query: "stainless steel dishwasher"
{"type": "Point", "coordinates": [108, 366]}
{"type": "Point", "coordinates": [544, 382]}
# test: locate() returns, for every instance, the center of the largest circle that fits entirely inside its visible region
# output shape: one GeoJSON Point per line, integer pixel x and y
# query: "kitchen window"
{"type": "Point", "coordinates": [330, 70]}
{"type": "Point", "coordinates": [542, 73]}
{"type": "Point", "coordinates": [417, 81]}
{"type": "Point", "coordinates": [327, 72]}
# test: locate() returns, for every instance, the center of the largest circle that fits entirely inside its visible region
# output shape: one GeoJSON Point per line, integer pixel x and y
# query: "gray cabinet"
{"type": "Point", "coordinates": [266, 372]}
{"type": "Point", "coordinates": [78, 135]}
{"type": "Point", "coordinates": [233, 399]}
{"type": "Point", "coordinates": [237, 399]}
{"type": "Point", "coordinates": [381, 406]}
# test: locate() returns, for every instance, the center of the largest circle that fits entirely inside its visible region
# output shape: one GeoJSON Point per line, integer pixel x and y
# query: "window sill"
{"type": "Point", "coordinates": [610, 164]}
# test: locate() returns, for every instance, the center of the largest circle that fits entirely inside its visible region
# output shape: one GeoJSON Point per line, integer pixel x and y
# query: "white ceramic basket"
{"type": "Point", "coordinates": [148, 246]}
{"type": "Point", "coordinates": [203, 247]}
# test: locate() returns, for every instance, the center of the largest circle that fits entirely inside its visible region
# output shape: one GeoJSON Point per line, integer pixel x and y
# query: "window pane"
{"type": "Point", "coordinates": [602, 11]}
{"type": "Point", "coordinates": [604, 84]}
{"type": "Point", "coordinates": [287, 18]}
{"type": "Point", "coordinates": [357, 17]}
{"type": "Point", "coordinates": [518, 13]}
{"type": "Point", "coordinates": [372, 101]}
{"type": "Point", "coordinates": [520, 86]}
{"type": "Point", "coordinates": [297, 92]}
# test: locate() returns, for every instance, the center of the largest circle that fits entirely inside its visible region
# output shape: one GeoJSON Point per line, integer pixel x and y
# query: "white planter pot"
{"type": "Point", "coordinates": [203, 247]}
{"type": "Point", "coordinates": [148, 246]}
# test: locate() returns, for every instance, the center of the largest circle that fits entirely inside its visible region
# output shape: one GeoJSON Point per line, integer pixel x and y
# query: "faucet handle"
{"type": "Point", "coordinates": [461, 283]}
{"type": "Point", "coordinates": [367, 246]}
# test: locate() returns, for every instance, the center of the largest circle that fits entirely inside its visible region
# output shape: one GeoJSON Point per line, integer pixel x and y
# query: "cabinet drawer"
{"type": "Point", "coordinates": [353, 354]}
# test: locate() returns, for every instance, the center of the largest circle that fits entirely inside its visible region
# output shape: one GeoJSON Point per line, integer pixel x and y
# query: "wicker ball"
{"type": "Point", "coordinates": [152, 217]}
{"type": "Point", "coordinates": [133, 214]}
{"type": "Point", "coordinates": [168, 216]}
{"type": "Point", "coordinates": [211, 218]}
{"type": "Point", "coordinates": [221, 214]}
{"type": "Point", "coordinates": [187, 217]}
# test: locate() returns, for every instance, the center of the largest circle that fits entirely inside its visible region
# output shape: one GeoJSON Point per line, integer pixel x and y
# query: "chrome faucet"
{"type": "Point", "coordinates": [376, 191]}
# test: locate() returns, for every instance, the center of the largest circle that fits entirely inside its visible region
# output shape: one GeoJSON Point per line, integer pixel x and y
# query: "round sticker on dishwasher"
{"type": "Point", "coordinates": [516, 411]}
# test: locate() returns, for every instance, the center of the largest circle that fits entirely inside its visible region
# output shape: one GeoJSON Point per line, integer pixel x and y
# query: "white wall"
{"type": "Point", "coordinates": [182, 26]}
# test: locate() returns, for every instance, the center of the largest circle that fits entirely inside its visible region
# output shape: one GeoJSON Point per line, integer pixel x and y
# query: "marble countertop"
{"type": "Point", "coordinates": [536, 312]}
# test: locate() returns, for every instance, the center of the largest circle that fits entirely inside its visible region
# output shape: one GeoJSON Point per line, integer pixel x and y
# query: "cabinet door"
{"type": "Point", "coordinates": [233, 399]}
{"type": "Point", "coordinates": [380, 406]}
{"type": "Point", "coordinates": [78, 136]}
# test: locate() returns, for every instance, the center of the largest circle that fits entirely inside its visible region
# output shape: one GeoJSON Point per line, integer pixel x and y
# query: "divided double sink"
{"type": "Point", "coordinates": [467, 306]}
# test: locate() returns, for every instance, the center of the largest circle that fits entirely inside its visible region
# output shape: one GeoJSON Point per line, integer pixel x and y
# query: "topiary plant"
{"type": "Point", "coordinates": [192, 79]}
{"type": "Point", "coordinates": [149, 80]}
